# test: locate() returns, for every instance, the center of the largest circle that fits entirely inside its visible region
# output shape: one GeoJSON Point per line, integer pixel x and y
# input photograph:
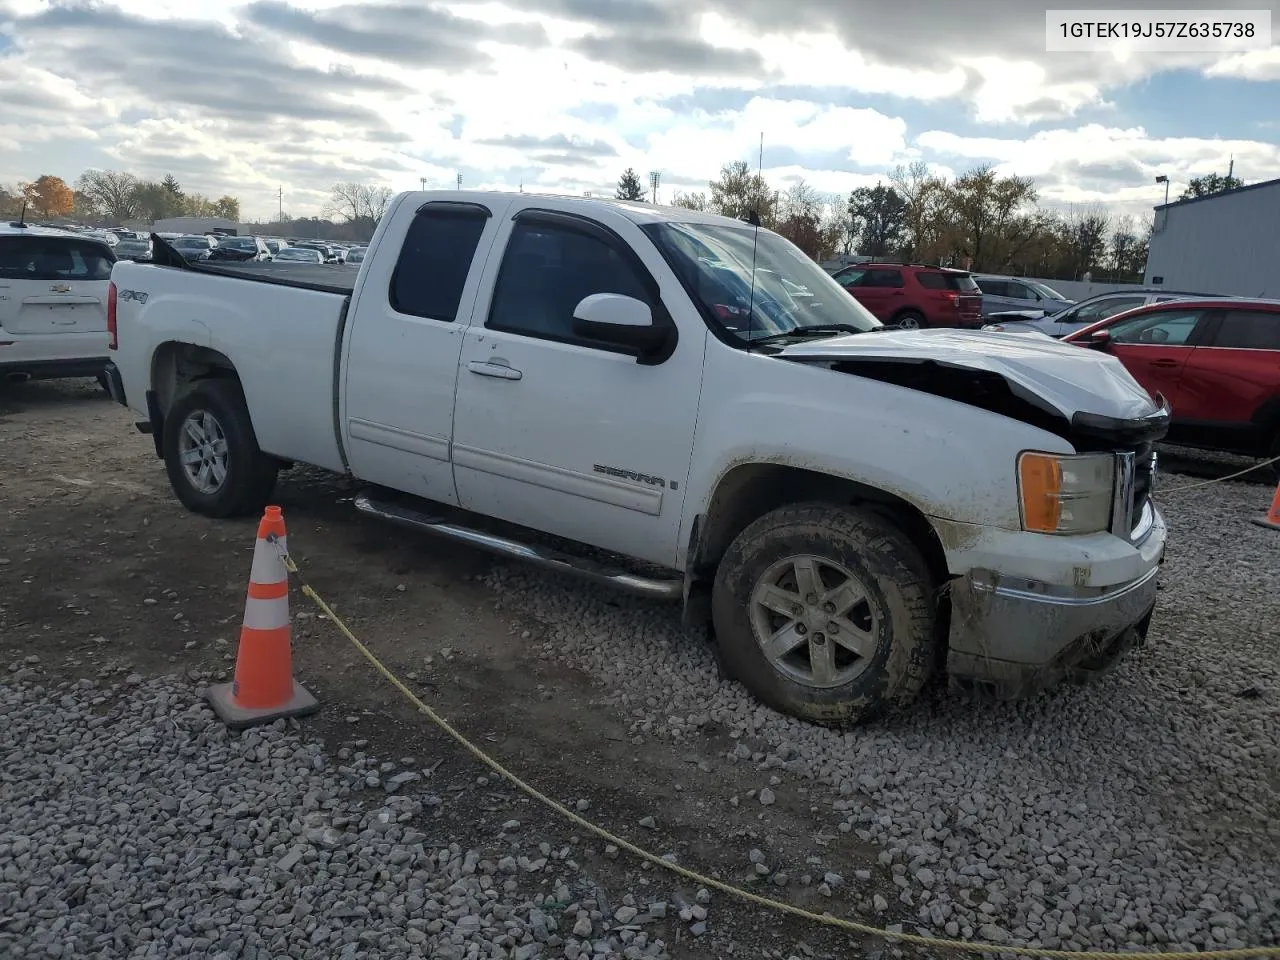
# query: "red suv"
{"type": "Point", "coordinates": [1216, 361]}
{"type": "Point", "coordinates": [912, 295]}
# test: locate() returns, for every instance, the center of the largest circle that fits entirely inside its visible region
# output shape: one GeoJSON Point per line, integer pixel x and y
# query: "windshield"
{"type": "Point", "coordinates": [1044, 291]}
{"type": "Point", "coordinates": [790, 290]}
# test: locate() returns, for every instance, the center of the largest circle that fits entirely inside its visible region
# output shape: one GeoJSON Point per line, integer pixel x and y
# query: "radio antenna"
{"type": "Point", "coordinates": [754, 219]}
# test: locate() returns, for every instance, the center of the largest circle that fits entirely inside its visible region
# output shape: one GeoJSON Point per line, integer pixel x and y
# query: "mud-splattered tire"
{"type": "Point", "coordinates": [862, 576]}
{"type": "Point", "coordinates": [215, 409]}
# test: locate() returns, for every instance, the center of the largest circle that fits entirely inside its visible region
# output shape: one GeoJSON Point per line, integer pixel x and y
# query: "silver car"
{"type": "Point", "coordinates": [1080, 315]}
{"type": "Point", "coordinates": [1018, 293]}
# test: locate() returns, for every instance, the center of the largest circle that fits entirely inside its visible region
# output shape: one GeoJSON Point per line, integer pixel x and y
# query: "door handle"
{"type": "Point", "coordinates": [499, 370]}
{"type": "Point", "coordinates": [1165, 364]}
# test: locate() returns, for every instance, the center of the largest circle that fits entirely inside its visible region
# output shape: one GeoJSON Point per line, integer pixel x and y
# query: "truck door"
{"type": "Point", "coordinates": [405, 335]}
{"type": "Point", "coordinates": [564, 435]}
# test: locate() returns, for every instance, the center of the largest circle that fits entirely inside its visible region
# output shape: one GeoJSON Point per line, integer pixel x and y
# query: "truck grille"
{"type": "Point", "coordinates": [1133, 511]}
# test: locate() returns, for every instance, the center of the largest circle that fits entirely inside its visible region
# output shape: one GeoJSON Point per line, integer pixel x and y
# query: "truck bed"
{"type": "Point", "coordinates": [325, 277]}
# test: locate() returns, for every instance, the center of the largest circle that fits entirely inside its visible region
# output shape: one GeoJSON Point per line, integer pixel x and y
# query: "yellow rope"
{"type": "Point", "coordinates": [849, 926]}
{"type": "Point", "coordinates": [1205, 483]}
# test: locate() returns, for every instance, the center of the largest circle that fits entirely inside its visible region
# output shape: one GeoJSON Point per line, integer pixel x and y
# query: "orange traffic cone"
{"type": "Point", "coordinates": [263, 688]}
{"type": "Point", "coordinates": [1272, 519]}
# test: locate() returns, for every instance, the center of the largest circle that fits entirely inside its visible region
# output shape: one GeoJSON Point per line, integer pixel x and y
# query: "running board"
{"type": "Point", "coordinates": [539, 556]}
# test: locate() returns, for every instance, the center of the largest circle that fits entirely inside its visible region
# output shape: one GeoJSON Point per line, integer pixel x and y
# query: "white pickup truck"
{"type": "Point", "coordinates": [686, 407]}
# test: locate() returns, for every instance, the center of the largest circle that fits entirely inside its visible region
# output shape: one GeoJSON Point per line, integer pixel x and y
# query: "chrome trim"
{"type": "Point", "coordinates": [539, 556]}
{"type": "Point", "coordinates": [1122, 495]}
{"type": "Point", "coordinates": [1068, 597]}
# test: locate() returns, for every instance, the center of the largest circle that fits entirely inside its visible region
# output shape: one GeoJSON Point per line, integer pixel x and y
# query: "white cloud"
{"type": "Point", "coordinates": [518, 111]}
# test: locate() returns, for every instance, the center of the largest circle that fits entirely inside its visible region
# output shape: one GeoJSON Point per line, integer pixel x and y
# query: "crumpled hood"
{"type": "Point", "coordinates": [1071, 379]}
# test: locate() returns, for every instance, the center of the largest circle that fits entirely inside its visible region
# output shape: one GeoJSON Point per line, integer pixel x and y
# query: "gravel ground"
{"type": "Point", "coordinates": [1140, 811]}
{"type": "Point", "coordinates": [1143, 810]}
{"type": "Point", "coordinates": [134, 825]}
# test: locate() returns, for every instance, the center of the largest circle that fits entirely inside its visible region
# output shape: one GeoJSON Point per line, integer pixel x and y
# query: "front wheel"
{"type": "Point", "coordinates": [211, 454]}
{"type": "Point", "coordinates": [826, 613]}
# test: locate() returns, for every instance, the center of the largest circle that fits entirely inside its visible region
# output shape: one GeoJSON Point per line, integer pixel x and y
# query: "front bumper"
{"type": "Point", "coordinates": [1023, 635]}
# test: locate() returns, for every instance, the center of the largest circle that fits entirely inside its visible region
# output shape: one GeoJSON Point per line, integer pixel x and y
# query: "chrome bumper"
{"type": "Point", "coordinates": [1023, 635]}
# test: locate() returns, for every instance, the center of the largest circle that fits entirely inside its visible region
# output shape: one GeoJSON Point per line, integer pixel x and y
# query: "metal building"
{"type": "Point", "coordinates": [1224, 243]}
{"type": "Point", "coordinates": [196, 225]}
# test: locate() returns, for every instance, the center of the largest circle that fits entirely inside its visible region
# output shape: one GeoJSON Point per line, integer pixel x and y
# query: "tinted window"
{"type": "Point", "coordinates": [1170, 328]}
{"type": "Point", "coordinates": [54, 258]}
{"type": "Point", "coordinates": [879, 278]}
{"type": "Point", "coordinates": [1020, 291]}
{"type": "Point", "coordinates": [993, 288]}
{"type": "Point", "coordinates": [1249, 330]}
{"type": "Point", "coordinates": [547, 270]}
{"type": "Point", "coordinates": [434, 263]}
{"type": "Point", "coordinates": [958, 282]}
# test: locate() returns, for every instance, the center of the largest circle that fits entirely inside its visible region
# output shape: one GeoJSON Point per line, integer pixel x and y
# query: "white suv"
{"type": "Point", "coordinates": [53, 303]}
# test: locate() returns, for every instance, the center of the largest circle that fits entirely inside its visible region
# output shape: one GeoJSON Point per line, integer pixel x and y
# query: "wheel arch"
{"type": "Point", "coordinates": [747, 491]}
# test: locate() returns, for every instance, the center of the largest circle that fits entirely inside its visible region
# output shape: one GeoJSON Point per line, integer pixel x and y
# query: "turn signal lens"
{"type": "Point", "coordinates": [1066, 494]}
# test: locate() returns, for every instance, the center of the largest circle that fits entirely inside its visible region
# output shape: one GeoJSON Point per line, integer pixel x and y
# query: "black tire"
{"type": "Point", "coordinates": [909, 320]}
{"type": "Point", "coordinates": [250, 474]}
{"type": "Point", "coordinates": [899, 595]}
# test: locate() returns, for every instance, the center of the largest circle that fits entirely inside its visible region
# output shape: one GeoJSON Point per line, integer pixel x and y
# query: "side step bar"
{"type": "Point", "coordinates": [540, 556]}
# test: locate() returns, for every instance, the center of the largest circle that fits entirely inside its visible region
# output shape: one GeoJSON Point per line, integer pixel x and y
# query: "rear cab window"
{"type": "Point", "coordinates": [879, 278]}
{"type": "Point", "coordinates": [435, 261]}
{"type": "Point", "coordinates": [54, 258]}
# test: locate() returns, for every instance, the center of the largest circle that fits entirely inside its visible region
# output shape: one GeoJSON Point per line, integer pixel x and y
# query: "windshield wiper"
{"type": "Point", "coordinates": [814, 330]}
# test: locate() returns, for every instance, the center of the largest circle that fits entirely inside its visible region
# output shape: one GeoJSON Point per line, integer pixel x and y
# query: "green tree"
{"type": "Point", "coordinates": [878, 216]}
{"type": "Point", "coordinates": [629, 186]}
{"type": "Point", "coordinates": [738, 193]}
{"type": "Point", "coordinates": [989, 218]}
{"type": "Point", "coordinates": [1210, 184]}
{"type": "Point", "coordinates": [227, 207]}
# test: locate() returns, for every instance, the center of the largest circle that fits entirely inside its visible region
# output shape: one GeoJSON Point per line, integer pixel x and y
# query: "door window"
{"type": "Point", "coordinates": [1171, 328]}
{"type": "Point", "coordinates": [547, 270]}
{"type": "Point", "coordinates": [1249, 330]}
{"type": "Point", "coordinates": [434, 262]}
{"type": "Point", "coordinates": [1020, 291]}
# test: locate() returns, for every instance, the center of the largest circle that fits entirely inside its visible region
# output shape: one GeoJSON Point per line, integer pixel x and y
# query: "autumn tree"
{"type": "Point", "coordinates": [878, 218]}
{"type": "Point", "coordinates": [801, 217]}
{"type": "Point", "coordinates": [49, 196]}
{"type": "Point", "coordinates": [629, 186]}
{"type": "Point", "coordinates": [10, 202]}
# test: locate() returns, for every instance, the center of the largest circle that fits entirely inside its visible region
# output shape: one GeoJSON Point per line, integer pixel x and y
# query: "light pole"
{"type": "Point", "coordinates": [422, 181]}
{"type": "Point", "coordinates": [654, 179]}
{"type": "Point", "coordinates": [458, 179]}
{"type": "Point", "coordinates": [1165, 180]}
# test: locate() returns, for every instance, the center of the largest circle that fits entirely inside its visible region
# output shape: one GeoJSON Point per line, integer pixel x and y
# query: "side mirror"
{"type": "Point", "coordinates": [1100, 339]}
{"type": "Point", "coordinates": [619, 319]}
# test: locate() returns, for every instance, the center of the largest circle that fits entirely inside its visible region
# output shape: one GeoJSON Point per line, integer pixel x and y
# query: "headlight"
{"type": "Point", "coordinates": [994, 326]}
{"type": "Point", "coordinates": [1066, 494]}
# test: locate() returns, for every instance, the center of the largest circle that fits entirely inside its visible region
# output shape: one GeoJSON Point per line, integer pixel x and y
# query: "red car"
{"type": "Point", "coordinates": [912, 295]}
{"type": "Point", "coordinates": [1216, 361]}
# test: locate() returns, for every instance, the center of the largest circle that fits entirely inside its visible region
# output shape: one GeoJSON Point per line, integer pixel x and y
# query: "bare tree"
{"type": "Point", "coordinates": [923, 195]}
{"type": "Point", "coordinates": [691, 201]}
{"type": "Point", "coordinates": [357, 201]}
{"type": "Point", "coordinates": [114, 194]}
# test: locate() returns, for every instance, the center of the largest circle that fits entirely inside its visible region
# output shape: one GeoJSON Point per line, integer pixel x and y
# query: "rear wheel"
{"type": "Point", "coordinates": [909, 320]}
{"type": "Point", "coordinates": [826, 613]}
{"type": "Point", "coordinates": [211, 455]}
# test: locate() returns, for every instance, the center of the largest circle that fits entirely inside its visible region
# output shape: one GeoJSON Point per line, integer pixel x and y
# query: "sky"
{"type": "Point", "coordinates": [273, 101]}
